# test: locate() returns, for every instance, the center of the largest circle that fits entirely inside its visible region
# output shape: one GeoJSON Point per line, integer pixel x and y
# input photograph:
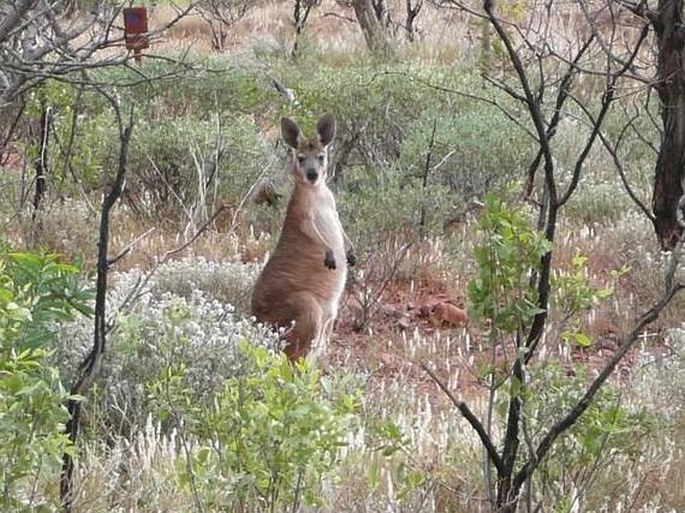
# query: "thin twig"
{"type": "Point", "coordinates": [130, 246]}
{"type": "Point", "coordinates": [426, 173]}
{"type": "Point", "coordinates": [511, 117]}
{"type": "Point", "coordinates": [607, 98]}
{"type": "Point", "coordinates": [142, 282]}
{"type": "Point", "coordinates": [562, 96]}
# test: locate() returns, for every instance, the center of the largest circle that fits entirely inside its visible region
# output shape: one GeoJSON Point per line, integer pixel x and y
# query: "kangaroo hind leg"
{"type": "Point", "coordinates": [308, 328]}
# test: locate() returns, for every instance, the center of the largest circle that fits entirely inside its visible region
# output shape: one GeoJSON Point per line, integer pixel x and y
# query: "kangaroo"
{"type": "Point", "coordinates": [303, 280]}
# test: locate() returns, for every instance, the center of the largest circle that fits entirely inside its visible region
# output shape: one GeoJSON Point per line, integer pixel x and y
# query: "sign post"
{"type": "Point", "coordinates": [135, 31]}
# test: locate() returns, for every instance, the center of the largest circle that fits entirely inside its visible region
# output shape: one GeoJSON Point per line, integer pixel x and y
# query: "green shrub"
{"type": "Point", "coordinates": [172, 164]}
{"type": "Point", "coordinates": [89, 148]}
{"type": "Point", "coordinates": [267, 437]}
{"type": "Point", "coordinates": [182, 88]}
{"type": "Point", "coordinates": [375, 105]}
{"type": "Point", "coordinates": [475, 150]}
{"type": "Point", "coordinates": [364, 206]}
{"type": "Point", "coordinates": [180, 114]}
{"type": "Point", "coordinates": [36, 292]}
{"type": "Point", "coordinates": [599, 202]}
{"type": "Point", "coordinates": [501, 291]}
{"type": "Point", "coordinates": [610, 434]}
{"type": "Point", "coordinates": [580, 463]}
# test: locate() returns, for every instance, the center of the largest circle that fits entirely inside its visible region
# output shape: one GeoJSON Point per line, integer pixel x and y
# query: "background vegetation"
{"type": "Point", "coordinates": [195, 409]}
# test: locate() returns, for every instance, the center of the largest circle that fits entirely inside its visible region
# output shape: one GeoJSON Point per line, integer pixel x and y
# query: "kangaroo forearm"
{"type": "Point", "coordinates": [348, 242]}
{"type": "Point", "coordinates": [310, 229]}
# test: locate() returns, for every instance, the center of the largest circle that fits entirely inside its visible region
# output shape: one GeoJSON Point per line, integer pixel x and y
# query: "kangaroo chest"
{"type": "Point", "coordinates": [315, 218]}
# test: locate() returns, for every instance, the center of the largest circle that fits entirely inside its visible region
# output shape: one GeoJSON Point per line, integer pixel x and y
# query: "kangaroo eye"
{"type": "Point", "coordinates": [320, 157]}
{"type": "Point", "coordinates": [300, 159]}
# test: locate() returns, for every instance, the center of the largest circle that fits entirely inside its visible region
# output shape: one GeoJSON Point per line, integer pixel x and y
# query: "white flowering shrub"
{"type": "Point", "coordinates": [170, 316]}
{"type": "Point", "coordinates": [230, 282]}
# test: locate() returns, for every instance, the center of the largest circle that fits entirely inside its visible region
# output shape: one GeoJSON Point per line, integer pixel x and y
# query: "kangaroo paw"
{"type": "Point", "coordinates": [329, 260]}
{"type": "Point", "coordinates": [351, 259]}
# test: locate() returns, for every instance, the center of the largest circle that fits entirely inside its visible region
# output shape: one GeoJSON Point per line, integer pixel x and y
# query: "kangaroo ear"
{"type": "Point", "coordinates": [325, 129]}
{"type": "Point", "coordinates": [291, 133]}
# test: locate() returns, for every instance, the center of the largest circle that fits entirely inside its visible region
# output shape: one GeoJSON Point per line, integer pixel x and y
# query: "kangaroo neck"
{"type": "Point", "coordinates": [305, 196]}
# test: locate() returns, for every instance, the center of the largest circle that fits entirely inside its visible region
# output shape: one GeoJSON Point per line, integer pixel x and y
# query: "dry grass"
{"type": "Point", "coordinates": [135, 476]}
{"type": "Point", "coordinates": [332, 29]}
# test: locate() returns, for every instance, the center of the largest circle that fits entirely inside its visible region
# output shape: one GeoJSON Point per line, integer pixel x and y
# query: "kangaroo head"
{"type": "Point", "coordinates": [311, 158]}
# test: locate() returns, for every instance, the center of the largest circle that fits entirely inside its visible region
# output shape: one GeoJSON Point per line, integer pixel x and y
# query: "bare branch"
{"type": "Point", "coordinates": [613, 152]}
{"type": "Point", "coordinates": [38, 41]}
{"type": "Point", "coordinates": [339, 16]}
{"type": "Point", "coordinates": [130, 246]}
{"type": "Point", "coordinates": [412, 12]}
{"type": "Point", "coordinates": [471, 418]}
{"type": "Point", "coordinates": [16, 16]}
{"type": "Point", "coordinates": [530, 100]}
{"type": "Point", "coordinates": [136, 291]}
{"type": "Point", "coordinates": [562, 95]}
{"type": "Point", "coordinates": [629, 341]}
{"type": "Point", "coordinates": [90, 367]}
{"type": "Point", "coordinates": [607, 98]}
{"type": "Point", "coordinates": [511, 117]}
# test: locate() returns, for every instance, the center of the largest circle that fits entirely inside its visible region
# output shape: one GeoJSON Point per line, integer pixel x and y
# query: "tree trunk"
{"type": "Point", "coordinates": [669, 172]}
{"type": "Point", "coordinates": [412, 13]}
{"type": "Point", "coordinates": [374, 32]}
{"type": "Point", "coordinates": [380, 7]}
{"type": "Point", "coordinates": [301, 11]}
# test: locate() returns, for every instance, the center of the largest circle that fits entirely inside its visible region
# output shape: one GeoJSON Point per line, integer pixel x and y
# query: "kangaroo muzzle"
{"type": "Point", "coordinates": [312, 175]}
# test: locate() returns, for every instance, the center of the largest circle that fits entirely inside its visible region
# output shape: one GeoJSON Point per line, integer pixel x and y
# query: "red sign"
{"type": "Point", "coordinates": [135, 28]}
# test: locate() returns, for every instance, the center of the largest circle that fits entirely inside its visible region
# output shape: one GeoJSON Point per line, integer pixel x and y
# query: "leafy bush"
{"type": "Point", "coordinates": [176, 134]}
{"type": "Point", "coordinates": [268, 435]}
{"type": "Point", "coordinates": [573, 296]}
{"type": "Point", "coordinates": [83, 132]}
{"type": "Point", "coordinates": [373, 107]}
{"type": "Point", "coordinates": [580, 463]}
{"type": "Point", "coordinates": [36, 292]}
{"type": "Point", "coordinates": [364, 207]}
{"type": "Point", "coordinates": [610, 433]}
{"type": "Point", "coordinates": [175, 167]}
{"type": "Point", "coordinates": [599, 203]}
{"type": "Point", "coordinates": [472, 151]}
{"type": "Point", "coordinates": [501, 291]}
{"type": "Point", "coordinates": [180, 88]}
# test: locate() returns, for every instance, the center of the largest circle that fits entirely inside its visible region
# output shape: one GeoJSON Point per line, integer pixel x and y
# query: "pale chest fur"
{"type": "Point", "coordinates": [326, 219]}
{"type": "Point", "coordinates": [297, 263]}
{"type": "Point", "coordinates": [319, 209]}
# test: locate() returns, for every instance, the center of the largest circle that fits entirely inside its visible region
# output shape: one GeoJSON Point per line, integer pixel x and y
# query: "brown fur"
{"type": "Point", "coordinates": [447, 313]}
{"type": "Point", "coordinates": [303, 280]}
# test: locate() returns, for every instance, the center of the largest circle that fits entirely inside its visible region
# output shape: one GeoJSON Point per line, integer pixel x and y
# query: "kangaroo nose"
{"type": "Point", "coordinates": [312, 175]}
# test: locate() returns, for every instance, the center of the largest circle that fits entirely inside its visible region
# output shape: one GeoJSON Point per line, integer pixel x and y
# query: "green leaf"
{"type": "Point", "coordinates": [580, 339]}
